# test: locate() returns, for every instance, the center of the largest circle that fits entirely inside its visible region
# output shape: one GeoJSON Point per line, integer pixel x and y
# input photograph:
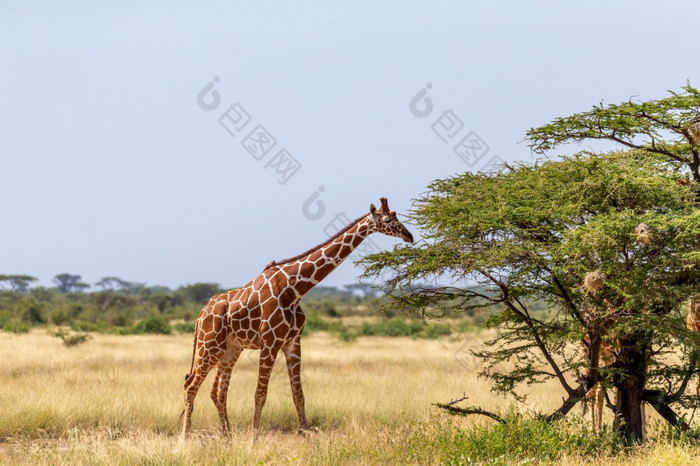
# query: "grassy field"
{"type": "Point", "coordinates": [117, 399]}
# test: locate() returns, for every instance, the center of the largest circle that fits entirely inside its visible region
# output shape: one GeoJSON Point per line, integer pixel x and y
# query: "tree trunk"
{"type": "Point", "coordinates": [629, 385]}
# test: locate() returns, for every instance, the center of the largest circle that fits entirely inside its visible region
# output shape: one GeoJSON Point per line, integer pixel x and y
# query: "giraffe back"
{"type": "Point", "coordinates": [263, 311]}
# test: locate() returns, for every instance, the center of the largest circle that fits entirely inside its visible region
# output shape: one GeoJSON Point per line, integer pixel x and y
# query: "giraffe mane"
{"type": "Point", "coordinates": [318, 246]}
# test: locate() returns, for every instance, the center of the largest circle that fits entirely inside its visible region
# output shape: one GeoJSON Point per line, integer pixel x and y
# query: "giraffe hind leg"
{"type": "Point", "coordinates": [219, 390]}
{"type": "Point", "coordinates": [191, 387]}
{"type": "Point", "coordinates": [202, 366]}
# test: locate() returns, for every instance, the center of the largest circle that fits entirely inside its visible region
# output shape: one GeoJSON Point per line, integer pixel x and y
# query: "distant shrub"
{"type": "Point", "coordinates": [154, 324]}
{"type": "Point", "coordinates": [14, 326]}
{"type": "Point", "coordinates": [436, 331]}
{"type": "Point", "coordinates": [120, 320]}
{"type": "Point", "coordinates": [467, 326]}
{"type": "Point", "coordinates": [31, 311]}
{"type": "Point", "coordinates": [72, 340]}
{"type": "Point", "coordinates": [348, 335]}
{"type": "Point", "coordinates": [59, 317]}
{"type": "Point", "coordinates": [392, 328]}
{"type": "Point", "coordinates": [315, 322]}
{"type": "Point", "coordinates": [100, 327]}
{"type": "Point", "coordinates": [329, 309]}
{"type": "Point", "coordinates": [184, 327]}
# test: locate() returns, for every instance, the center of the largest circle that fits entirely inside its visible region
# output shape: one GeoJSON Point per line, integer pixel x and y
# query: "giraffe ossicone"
{"type": "Point", "coordinates": [265, 314]}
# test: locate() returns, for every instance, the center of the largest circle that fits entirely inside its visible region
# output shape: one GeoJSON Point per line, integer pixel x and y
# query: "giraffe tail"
{"type": "Point", "coordinates": [194, 350]}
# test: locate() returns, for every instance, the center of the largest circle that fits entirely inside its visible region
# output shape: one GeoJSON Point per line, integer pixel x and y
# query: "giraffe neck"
{"type": "Point", "coordinates": [694, 315]}
{"type": "Point", "coordinates": [307, 271]}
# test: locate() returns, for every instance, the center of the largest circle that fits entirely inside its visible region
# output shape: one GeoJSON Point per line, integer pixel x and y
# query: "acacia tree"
{"type": "Point", "coordinates": [69, 283]}
{"type": "Point", "coordinates": [669, 127]}
{"type": "Point", "coordinates": [18, 283]}
{"type": "Point", "coordinates": [532, 232]}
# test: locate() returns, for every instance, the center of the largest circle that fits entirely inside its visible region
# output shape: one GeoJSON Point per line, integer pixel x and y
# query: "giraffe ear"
{"type": "Point", "coordinates": [372, 209]}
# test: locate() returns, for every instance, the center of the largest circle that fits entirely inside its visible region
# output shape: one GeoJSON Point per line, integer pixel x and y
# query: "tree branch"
{"type": "Point", "coordinates": [692, 366]}
{"type": "Point", "coordinates": [540, 344]}
{"type": "Point", "coordinates": [576, 396]}
{"type": "Point", "coordinates": [655, 398]}
{"type": "Point", "coordinates": [567, 299]}
{"type": "Point", "coordinates": [468, 410]}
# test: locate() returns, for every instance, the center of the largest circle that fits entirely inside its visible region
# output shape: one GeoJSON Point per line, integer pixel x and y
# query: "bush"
{"type": "Point", "coordinates": [154, 324]}
{"type": "Point", "coordinates": [520, 440]}
{"type": "Point", "coordinates": [100, 327]}
{"type": "Point", "coordinates": [72, 340]}
{"type": "Point", "coordinates": [59, 317]}
{"type": "Point", "coordinates": [184, 327]}
{"type": "Point", "coordinates": [31, 311]}
{"type": "Point", "coordinates": [329, 309]}
{"type": "Point", "coordinates": [346, 334]}
{"type": "Point", "coordinates": [119, 320]}
{"type": "Point", "coordinates": [15, 327]}
{"type": "Point", "coordinates": [392, 328]}
{"type": "Point", "coordinates": [436, 331]}
{"type": "Point", "coordinates": [315, 323]}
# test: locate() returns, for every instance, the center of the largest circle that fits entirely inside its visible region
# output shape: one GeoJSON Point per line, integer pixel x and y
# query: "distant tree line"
{"type": "Point", "coordinates": [113, 304]}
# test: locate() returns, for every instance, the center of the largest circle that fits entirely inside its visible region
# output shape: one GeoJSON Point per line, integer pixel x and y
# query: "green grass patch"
{"type": "Point", "coordinates": [519, 440]}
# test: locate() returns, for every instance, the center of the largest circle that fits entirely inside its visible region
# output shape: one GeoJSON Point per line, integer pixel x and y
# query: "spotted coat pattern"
{"type": "Point", "coordinates": [693, 324]}
{"type": "Point", "coordinates": [265, 314]}
{"type": "Point", "coordinates": [596, 395]}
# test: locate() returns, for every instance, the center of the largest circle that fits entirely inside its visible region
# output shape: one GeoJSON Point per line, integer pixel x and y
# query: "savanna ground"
{"type": "Point", "coordinates": [117, 399]}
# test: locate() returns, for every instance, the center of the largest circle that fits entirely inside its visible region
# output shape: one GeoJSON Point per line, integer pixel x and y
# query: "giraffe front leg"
{"type": "Point", "coordinates": [267, 361]}
{"type": "Point", "coordinates": [599, 400]}
{"type": "Point", "coordinates": [292, 353]}
{"type": "Point", "coordinates": [219, 390]}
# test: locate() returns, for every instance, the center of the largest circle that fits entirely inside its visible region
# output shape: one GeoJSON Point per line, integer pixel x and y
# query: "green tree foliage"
{"type": "Point", "coordinates": [31, 311]}
{"type": "Point", "coordinates": [199, 292]}
{"type": "Point", "coordinates": [153, 324]}
{"type": "Point", "coordinates": [18, 283]}
{"type": "Point", "coordinates": [668, 127]}
{"type": "Point", "coordinates": [68, 283]}
{"type": "Point", "coordinates": [532, 232]}
{"type": "Point", "coordinates": [117, 284]}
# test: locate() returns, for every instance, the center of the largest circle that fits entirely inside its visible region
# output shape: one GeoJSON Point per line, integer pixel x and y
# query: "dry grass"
{"type": "Point", "coordinates": [117, 399]}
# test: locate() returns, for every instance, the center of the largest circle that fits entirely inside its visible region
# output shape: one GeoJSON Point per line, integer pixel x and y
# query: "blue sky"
{"type": "Point", "coordinates": [111, 167]}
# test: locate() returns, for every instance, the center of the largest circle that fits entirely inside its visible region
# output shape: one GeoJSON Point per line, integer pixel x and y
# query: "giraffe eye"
{"type": "Point", "coordinates": [387, 220]}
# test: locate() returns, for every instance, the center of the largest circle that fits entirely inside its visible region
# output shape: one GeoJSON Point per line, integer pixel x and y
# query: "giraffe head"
{"type": "Point", "coordinates": [383, 220]}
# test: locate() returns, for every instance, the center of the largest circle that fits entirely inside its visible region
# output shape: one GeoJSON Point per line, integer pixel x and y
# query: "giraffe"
{"type": "Point", "coordinates": [596, 395]}
{"type": "Point", "coordinates": [693, 324]}
{"type": "Point", "coordinates": [265, 314]}
{"type": "Point", "coordinates": [593, 283]}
